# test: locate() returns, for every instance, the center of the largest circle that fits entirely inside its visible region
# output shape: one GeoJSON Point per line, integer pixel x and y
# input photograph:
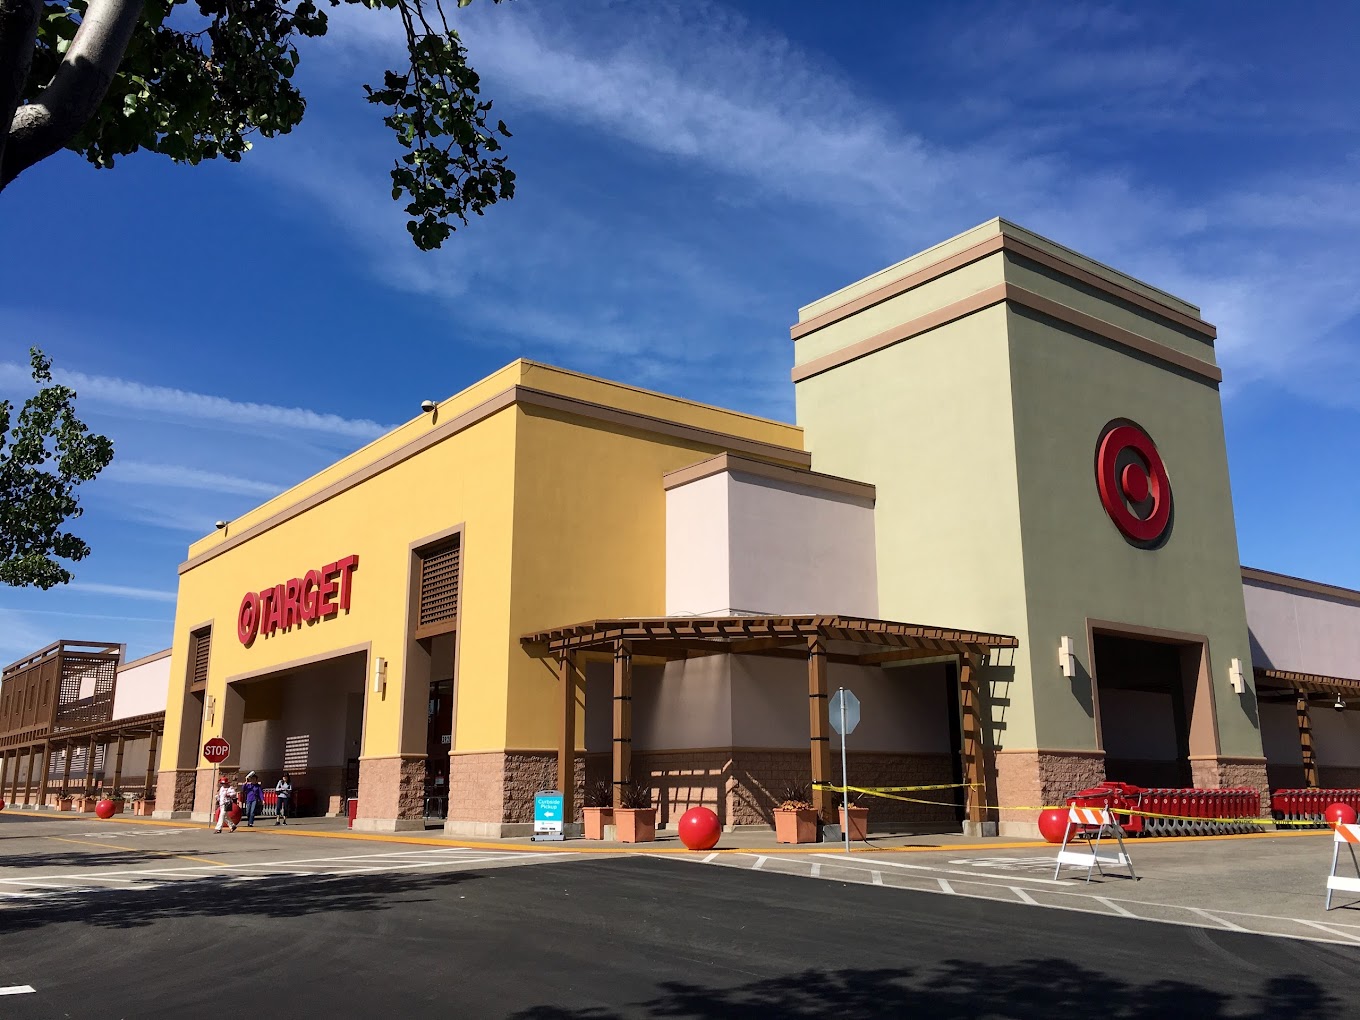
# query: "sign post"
{"type": "Point", "coordinates": [216, 750]}
{"type": "Point", "coordinates": [844, 718]}
{"type": "Point", "coordinates": [548, 816]}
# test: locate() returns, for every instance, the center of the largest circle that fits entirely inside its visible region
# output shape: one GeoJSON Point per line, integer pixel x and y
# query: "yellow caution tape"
{"type": "Point", "coordinates": [890, 793]}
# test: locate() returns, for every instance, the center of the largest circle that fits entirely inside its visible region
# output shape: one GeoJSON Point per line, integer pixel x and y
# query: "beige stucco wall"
{"type": "Point", "coordinates": [1303, 632]}
{"type": "Point", "coordinates": [142, 687]}
{"type": "Point", "coordinates": [740, 543]}
{"type": "Point", "coordinates": [929, 423]}
{"type": "Point", "coordinates": [1078, 567]}
{"type": "Point", "coordinates": [980, 436]}
{"type": "Point", "coordinates": [698, 574]}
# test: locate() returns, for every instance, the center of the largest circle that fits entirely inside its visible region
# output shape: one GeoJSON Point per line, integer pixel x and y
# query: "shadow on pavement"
{"type": "Point", "coordinates": [271, 896]}
{"type": "Point", "coordinates": [959, 990]}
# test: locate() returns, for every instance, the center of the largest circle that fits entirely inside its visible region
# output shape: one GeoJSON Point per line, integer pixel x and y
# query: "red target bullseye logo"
{"type": "Point", "coordinates": [1134, 487]}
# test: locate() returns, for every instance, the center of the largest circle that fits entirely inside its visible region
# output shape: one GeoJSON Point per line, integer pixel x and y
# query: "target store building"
{"type": "Point", "coordinates": [1003, 519]}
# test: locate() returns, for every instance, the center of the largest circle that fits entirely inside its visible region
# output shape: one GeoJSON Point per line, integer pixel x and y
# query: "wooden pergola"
{"type": "Point", "coordinates": [1284, 685]}
{"type": "Point", "coordinates": [817, 640]}
{"type": "Point", "coordinates": [115, 733]}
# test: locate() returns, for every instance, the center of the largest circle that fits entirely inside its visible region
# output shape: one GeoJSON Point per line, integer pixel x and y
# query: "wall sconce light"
{"type": "Point", "coordinates": [1235, 677]}
{"type": "Point", "coordinates": [379, 675]}
{"type": "Point", "coordinates": [1067, 659]}
{"type": "Point", "coordinates": [209, 708]}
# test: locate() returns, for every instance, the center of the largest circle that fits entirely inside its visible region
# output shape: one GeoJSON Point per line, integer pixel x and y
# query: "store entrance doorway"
{"type": "Point", "coordinates": [1149, 701]}
{"type": "Point", "coordinates": [438, 742]}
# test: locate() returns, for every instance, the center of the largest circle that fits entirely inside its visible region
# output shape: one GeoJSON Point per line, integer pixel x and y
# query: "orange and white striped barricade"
{"type": "Point", "coordinates": [1095, 824]}
{"type": "Point", "coordinates": [1349, 835]}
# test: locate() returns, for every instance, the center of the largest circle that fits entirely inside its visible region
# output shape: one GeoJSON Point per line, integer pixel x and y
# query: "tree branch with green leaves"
{"type": "Point", "coordinates": [45, 453]}
{"type": "Point", "coordinates": [200, 79]}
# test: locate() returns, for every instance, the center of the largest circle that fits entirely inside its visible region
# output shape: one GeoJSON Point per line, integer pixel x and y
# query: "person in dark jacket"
{"type": "Point", "coordinates": [253, 793]}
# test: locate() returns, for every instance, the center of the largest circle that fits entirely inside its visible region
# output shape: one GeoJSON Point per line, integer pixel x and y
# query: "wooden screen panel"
{"type": "Point", "coordinates": [440, 584]}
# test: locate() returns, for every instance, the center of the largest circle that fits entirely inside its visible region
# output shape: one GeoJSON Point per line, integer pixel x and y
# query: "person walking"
{"type": "Point", "coordinates": [254, 798]}
{"type": "Point", "coordinates": [226, 800]}
{"type": "Point", "coordinates": [283, 799]}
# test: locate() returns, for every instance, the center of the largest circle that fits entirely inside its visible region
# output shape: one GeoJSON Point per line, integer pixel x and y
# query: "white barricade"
{"type": "Point", "coordinates": [1095, 824]}
{"type": "Point", "coordinates": [1350, 836]}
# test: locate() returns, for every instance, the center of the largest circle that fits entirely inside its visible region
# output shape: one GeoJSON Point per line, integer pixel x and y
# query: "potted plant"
{"type": "Point", "coordinates": [63, 802]}
{"type": "Point", "coordinates": [598, 809]}
{"type": "Point", "coordinates": [635, 818]}
{"type": "Point", "coordinates": [858, 823]}
{"type": "Point", "coordinates": [795, 819]}
{"type": "Point", "coordinates": [143, 806]}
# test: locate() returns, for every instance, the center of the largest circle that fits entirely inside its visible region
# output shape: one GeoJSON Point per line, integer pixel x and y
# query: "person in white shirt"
{"type": "Point", "coordinates": [283, 798]}
{"type": "Point", "coordinates": [226, 800]}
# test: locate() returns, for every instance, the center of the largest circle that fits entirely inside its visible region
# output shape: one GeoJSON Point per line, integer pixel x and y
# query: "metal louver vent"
{"type": "Point", "coordinates": [202, 646]}
{"type": "Point", "coordinates": [440, 575]}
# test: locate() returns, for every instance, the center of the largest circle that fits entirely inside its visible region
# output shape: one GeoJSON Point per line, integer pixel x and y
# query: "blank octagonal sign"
{"type": "Point", "coordinates": [1133, 484]}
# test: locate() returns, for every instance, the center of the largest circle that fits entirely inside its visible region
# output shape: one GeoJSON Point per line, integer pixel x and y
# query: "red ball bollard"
{"type": "Point", "coordinates": [700, 829]}
{"type": "Point", "coordinates": [1053, 824]}
{"type": "Point", "coordinates": [104, 809]}
{"type": "Point", "coordinates": [1340, 814]}
{"type": "Point", "coordinates": [2, 805]}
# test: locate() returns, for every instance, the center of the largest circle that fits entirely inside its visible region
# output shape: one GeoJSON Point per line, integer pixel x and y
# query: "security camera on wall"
{"type": "Point", "coordinates": [427, 406]}
{"type": "Point", "coordinates": [1339, 704]}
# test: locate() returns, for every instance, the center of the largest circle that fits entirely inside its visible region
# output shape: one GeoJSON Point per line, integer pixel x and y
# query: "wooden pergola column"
{"type": "Point", "coordinates": [14, 779]}
{"type": "Point", "coordinates": [974, 770]}
{"type": "Point", "coordinates": [819, 725]}
{"type": "Point", "coordinates": [118, 765]}
{"type": "Point", "coordinates": [89, 767]}
{"type": "Point", "coordinates": [148, 785]}
{"type": "Point", "coordinates": [566, 736]}
{"type": "Point", "coordinates": [66, 770]}
{"type": "Point", "coordinates": [28, 775]}
{"type": "Point", "coordinates": [42, 778]}
{"type": "Point", "coordinates": [623, 719]}
{"type": "Point", "coordinates": [1310, 769]}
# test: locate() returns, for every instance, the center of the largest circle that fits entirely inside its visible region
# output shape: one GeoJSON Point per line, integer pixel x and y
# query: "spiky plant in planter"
{"type": "Point", "coordinates": [795, 819]}
{"type": "Point", "coordinates": [598, 809]}
{"type": "Point", "coordinates": [635, 817]}
{"type": "Point", "coordinates": [853, 816]}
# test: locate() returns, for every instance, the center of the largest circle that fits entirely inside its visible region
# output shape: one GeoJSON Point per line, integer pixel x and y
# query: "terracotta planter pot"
{"type": "Point", "coordinates": [795, 826]}
{"type": "Point", "coordinates": [143, 808]}
{"type": "Point", "coordinates": [63, 803]}
{"type": "Point", "coordinates": [596, 818]}
{"type": "Point", "coordinates": [859, 822]}
{"type": "Point", "coordinates": [636, 825]}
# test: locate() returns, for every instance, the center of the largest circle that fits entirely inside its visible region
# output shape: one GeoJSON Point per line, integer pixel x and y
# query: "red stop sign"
{"type": "Point", "coordinates": [216, 750]}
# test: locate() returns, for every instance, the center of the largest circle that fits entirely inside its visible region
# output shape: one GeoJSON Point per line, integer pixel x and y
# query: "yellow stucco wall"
{"type": "Point", "coordinates": [564, 520]}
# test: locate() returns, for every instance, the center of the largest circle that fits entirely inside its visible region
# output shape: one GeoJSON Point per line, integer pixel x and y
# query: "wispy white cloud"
{"type": "Point", "coordinates": [138, 472]}
{"type": "Point", "coordinates": [121, 591]}
{"type": "Point", "coordinates": [751, 113]}
{"type": "Point", "coordinates": [187, 405]}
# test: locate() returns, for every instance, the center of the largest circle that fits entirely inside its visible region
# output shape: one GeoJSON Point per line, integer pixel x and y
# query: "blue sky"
{"type": "Point", "coordinates": [689, 174]}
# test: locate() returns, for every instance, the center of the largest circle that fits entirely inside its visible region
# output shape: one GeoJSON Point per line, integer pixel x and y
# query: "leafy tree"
{"type": "Point", "coordinates": [37, 500]}
{"type": "Point", "coordinates": [195, 79]}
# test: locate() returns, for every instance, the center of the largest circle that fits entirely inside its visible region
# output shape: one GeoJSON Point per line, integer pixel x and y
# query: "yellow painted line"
{"type": "Point", "coordinates": [138, 850]}
{"type": "Point", "coordinates": [576, 847]}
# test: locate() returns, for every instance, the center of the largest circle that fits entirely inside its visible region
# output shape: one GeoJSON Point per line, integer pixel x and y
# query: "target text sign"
{"type": "Point", "coordinates": [316, 595]}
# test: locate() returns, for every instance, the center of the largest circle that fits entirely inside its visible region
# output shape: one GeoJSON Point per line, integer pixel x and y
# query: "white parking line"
{"type": "Point", "coordinates": [1024, 896]}
{"type": "Point", "coordinates": [17, 990]}
{"type": "Point", "coordinates": [1229, 925]}
{"type": "Point", "coordinates": [877, 877]}
{"type": "Point", "coordinates": [1114, 906]}
{"type": "Point", "coordinates": [945, 887]}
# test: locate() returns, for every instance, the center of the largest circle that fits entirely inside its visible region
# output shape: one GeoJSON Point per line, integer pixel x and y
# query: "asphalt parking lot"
{"type": "Point", "coordinates": [126, 920]}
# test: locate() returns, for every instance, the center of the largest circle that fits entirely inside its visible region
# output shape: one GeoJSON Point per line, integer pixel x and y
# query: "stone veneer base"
{"type": "Point", "coordinates": [389, 824]}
